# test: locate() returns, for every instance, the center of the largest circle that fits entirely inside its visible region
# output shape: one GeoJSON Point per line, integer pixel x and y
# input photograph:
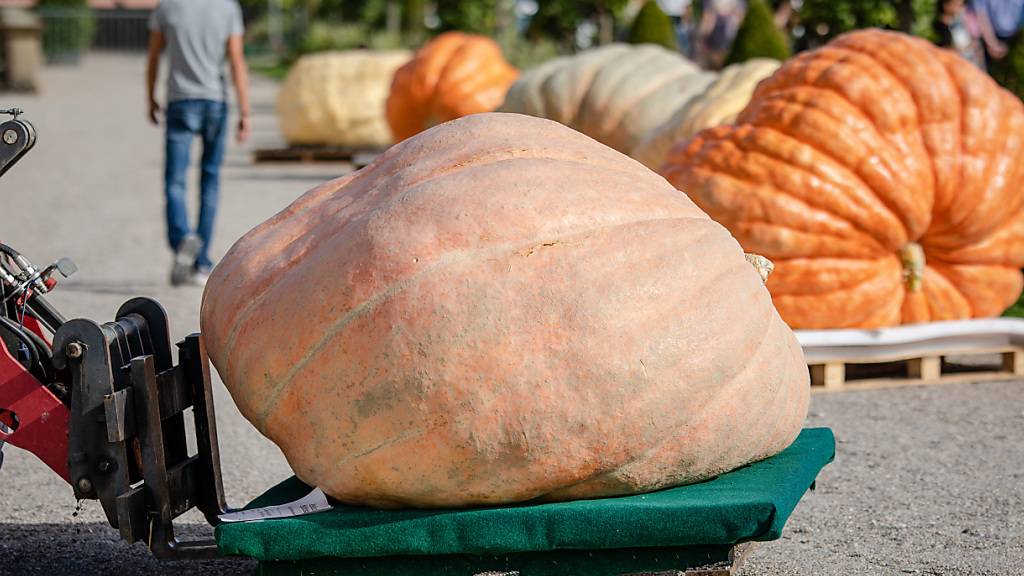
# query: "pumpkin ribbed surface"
{"type": "Point", "coordinates": [883, 176]}
{"type": "Point", "coordinates": [718, 104]}
{"type": "Point", "coordinates": [496, 310]}
{"type": "Point", "coordinates": [451, 76]}
{"type": "Point", "coordinates": [615, 94]}
{"type": "Point", "coordinates": [639, 100]}
{"type": "Point", "coordinates": [338, 98]}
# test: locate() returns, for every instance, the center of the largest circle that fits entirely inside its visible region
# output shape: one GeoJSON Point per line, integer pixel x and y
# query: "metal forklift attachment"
{"type": "Point", "coordinates": [127, 446]}
{"type": "Point", "coordinates": [16, 138]}
{"type": "Point", "coordinates": [104, 406]}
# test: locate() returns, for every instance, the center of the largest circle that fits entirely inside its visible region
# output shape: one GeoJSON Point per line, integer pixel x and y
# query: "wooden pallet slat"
{"type": "Point", "coordinates": [925, 368]}
{"type": "Point", "coordinates": [829, 375]}
{"type": "Point", "coordinates": [844, 374]}
{"type": "Point", "coordinates": [1013, 362]}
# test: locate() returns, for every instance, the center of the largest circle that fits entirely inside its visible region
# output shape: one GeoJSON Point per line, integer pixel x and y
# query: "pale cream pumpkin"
{"type": "Point", "coordinates": [338, 98]}
{"type": "Point", "coordinates": [639, 100]}
{"type": "Point", "coordinates": [615, 94]}
{"type": "Point", "coordinates": [500, 309]}
{"type": "Point", "coordinates": [718, 104]}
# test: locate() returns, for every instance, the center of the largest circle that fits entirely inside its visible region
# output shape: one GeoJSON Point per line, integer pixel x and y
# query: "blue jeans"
{"type": "Point", "coordinates": [187, 119]}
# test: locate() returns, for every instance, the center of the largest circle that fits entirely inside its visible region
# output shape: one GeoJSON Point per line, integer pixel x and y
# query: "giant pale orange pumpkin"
{"type": "Point", "coordinates": [496, 310]}
{"type": "Point", "coordinates": [453, 75]}
{"type": "Point", "coordinates": [882, 175]}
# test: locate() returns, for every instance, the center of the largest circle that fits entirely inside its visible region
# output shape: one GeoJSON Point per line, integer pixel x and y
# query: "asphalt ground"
{"type": "Point", "coordinates": [926, 481]}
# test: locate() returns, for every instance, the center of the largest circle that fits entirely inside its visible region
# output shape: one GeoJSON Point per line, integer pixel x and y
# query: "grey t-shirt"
{"type": "Point", "coordinates": [196, 33]}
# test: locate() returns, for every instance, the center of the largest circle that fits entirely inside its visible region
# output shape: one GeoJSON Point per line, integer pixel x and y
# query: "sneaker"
{"type": "Point", "coordinates": [184, 259]}
{"type": "Point", "coordinates": [199, 277]}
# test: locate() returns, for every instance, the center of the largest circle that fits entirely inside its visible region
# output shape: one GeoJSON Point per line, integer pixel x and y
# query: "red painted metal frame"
{"type": "Point", "coordinates": [32, 324]}
{"type": "Point", "coordinates": [42, 419]}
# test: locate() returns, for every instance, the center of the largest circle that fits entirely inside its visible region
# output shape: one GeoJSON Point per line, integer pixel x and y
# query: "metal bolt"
{"type": "Point", "coordinates": [84, 485]}
{"type": "Point", "coordinates": [105, 466]}
{"type": "Point", "coordinates": [10, 136]}
{"type": "Point", "coordinates": [74, 350]}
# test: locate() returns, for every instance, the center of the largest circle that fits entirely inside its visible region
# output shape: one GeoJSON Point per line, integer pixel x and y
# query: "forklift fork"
{"type": "Point", "coordinates": [127, 445]}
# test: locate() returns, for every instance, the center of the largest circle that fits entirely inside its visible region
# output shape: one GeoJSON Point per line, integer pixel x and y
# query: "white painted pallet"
{"type": "Point", "coordinates": [915, 354]}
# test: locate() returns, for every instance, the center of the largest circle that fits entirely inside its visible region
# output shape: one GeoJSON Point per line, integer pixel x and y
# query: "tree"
{"type": "Point", "coordinates": [412, 19]}
{"type": "Point", "coordinates": [826, 19]}
{"type": "Point", "coordinates": [559, 19]}
{"type": "Point", "coordinates": [758, 37]}
{"type": "Point", "coordinates": [476, 16]}
{"type": "Point", "coordinates": [652, 26]}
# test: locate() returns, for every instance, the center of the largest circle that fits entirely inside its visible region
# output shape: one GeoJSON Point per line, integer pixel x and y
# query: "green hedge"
{"type": "Point", "coordinates": [652, 26]}
{"type": "Point", "coordinates": [758, 37]}
{"type": "Point", "coordinates": [68, 26]}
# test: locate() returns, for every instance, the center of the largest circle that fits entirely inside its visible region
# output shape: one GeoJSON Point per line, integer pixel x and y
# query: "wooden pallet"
{"type": "Point", "coordinates": [310, 154]}
{"type": "Point", "coordinates": [737, 557]}
{"type": "Point", "coordinates": [945, 367]}
{"type": "Point", "coordinates": [731, 567]}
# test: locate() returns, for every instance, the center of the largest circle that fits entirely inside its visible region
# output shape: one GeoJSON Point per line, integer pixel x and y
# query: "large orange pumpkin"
{"type": "Point", "coordinates": [496, 310]}
{"type": "Point", "coordinates": [453, 75]}
{"type": "Point", "coordinates": [883, 176]}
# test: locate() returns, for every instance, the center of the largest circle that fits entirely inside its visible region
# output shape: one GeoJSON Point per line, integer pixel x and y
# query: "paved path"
{"type": "Point", "coordinates": [927, 481]}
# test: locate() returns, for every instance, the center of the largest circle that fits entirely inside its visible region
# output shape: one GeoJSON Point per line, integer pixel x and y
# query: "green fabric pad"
{"type": "Point", "coordinates": [751, 503]}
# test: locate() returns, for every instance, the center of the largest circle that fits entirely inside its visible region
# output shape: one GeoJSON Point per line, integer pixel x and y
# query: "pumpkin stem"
{"type": "Point", "coordinates": [763, 265]}
{"type": "Point", "coordinates": [912, 258]}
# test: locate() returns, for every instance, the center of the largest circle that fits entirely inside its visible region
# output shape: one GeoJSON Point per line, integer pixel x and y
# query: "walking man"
{"type": "Point", "coordinates": [198, 36]}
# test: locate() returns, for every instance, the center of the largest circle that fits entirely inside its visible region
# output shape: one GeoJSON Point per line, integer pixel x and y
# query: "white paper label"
{"type": "Point", "coordinates": [315, 501]}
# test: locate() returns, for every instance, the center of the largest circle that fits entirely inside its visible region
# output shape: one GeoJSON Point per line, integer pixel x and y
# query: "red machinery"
{"type": "Point", "coordinates": [104, 405]}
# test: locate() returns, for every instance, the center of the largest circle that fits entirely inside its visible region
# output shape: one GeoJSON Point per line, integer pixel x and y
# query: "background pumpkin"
{"type": "Point", "coordinates": [453, 75]}
{"type": "Point", "coordinates": [496, 310]}
{"type": "Point", "coordinates": [338, 98]}
{"type": "Point", "coordinates": [615, 94]}
{"type": "Point", "coordinates": [637, 99]}
{"type": "Point", "coordinates": [718, 104]}
{"type": "Point", "coordinates": [883, 177]}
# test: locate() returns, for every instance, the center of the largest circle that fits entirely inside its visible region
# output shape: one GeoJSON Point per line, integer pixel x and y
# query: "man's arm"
{"type": "Point", "coordinates": [996, 49]}
{"type": "Point", "coordinates": [156, 46]}
{"type": "Point", "coordinates": [240, 77]}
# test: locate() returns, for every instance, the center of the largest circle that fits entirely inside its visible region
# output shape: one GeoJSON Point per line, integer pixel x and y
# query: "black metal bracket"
{"type": "Point", "coordinates": [128, 443]}
{"type": "Point", "coordinates": [17, 137]}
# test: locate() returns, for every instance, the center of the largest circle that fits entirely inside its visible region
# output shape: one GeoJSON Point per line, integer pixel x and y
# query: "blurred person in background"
{"type": "Point", "coordinates": [1000, 22]}
{"type": "Point", "coordinates": [681, 14]}
{"type": "Point", "coordinates": [956, 27]}
{"type": "Point", "coordinates": [197, 37]}
{"type": "Point", "coordinates": [718, 25]}
{"type": "Point", "coordinates": [686, 31]}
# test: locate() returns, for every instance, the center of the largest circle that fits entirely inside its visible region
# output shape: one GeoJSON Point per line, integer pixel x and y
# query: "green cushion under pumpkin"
{"type": "Point", "coordinates": [752, 503]}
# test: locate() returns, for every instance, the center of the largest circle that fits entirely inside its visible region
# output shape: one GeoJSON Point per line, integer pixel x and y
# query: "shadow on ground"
{"type": "Point", "coordinates": [284, 175]}
{"type": "Point", "coordinates": [87, 549]}
{"type": "Point", "coordinates": [127, 289]}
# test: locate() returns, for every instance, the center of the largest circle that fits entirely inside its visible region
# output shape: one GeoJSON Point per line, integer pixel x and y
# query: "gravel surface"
{"type": "Point", "coordinates": [927, 480]}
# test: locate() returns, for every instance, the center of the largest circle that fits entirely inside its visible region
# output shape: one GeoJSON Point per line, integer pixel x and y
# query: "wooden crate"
{"type": "Point", "coordinates": [945, 367]}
